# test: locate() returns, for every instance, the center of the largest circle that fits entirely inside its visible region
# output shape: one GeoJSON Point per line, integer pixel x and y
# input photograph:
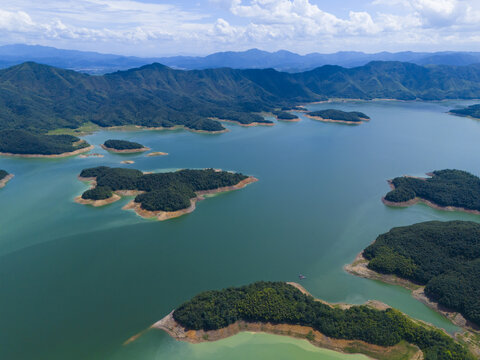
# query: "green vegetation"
{"type": "Point", "coordinates": [444, 256]}
{"type": "Point", "coordinates": [445, 188]}
{"type": "Point", "coordinates": [122, 145]}
{"type": "Point", "coordinates": [472, 110]}
{"type": "Point", "coordinates": [162, 191]}
{"type": "Point", "coordinates": [3, 174]}
{"type": "Point", "coordinates": [283, 115]}
{"type": "Point", "coordinates": [24, 142]}
{"type": "Point", "coordinates": [280, 303]}
{"type": "Point", "coordinates": [338, 115]}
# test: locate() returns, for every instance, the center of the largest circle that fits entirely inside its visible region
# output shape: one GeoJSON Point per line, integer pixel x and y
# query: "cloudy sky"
{"type": "Point", "coordinates": [168, 27]}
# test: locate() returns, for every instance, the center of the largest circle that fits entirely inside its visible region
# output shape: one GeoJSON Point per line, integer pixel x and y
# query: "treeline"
{"type": "Point", "coordinates": [472, 110]}
{"type": "Point", "coordinates": [163, 191]}
{"type": "Point", "coordinates": [3, 174]}
{"type": "Point", "coordinates": [280, 303]}
{"type": "Point", "coordinates": [122, 145]}
{"type": "Point", "coordinates": [444, 256]}
{"type": "Point", "coordinates": [24, 142]}
{"type": "Point", "coordinates": [353, 116]}
{"type": "Point", "coordinates": [445, 188]}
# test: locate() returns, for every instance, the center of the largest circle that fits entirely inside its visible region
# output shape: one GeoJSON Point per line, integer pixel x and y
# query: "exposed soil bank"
{"type": "Point", "coordinates": [67, 154]}
{"type": "Point", "coordinates": [157, 153]}
{"type": "Point", "coordinates": [126, 151]}
{"type": "Point", "coordinates": [5, 180]}
{"type": "Point", "coordinates": [169, 325]}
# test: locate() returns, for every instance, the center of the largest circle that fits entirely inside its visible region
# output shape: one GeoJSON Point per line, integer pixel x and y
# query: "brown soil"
{"type": "Point", "coordinates": [5, 180]}
{"type": "Point", "coordinates": [67, 154]}
{"type": "Point", "coordinates": [157, 153]}
{"type": "Point", "coordinates": [127, 162]}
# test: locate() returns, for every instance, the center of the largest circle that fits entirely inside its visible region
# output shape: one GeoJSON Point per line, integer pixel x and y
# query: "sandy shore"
{"type": "Point", "coordinates": [84, 156]}
{"type": "Point", "coordinates": [245, 125]}
{"type": "Point", "coordinates": [67, 154]}
{"type": "Point", "coordinates": [165, 215]}
{"type": "Point", "coordinates": [336, 121]}
{"type": "Point", "coordinates": [127, 162]}
{"type": "Point", "coordinates": [157, 153]}
{"type": "Point", "coordinates": [126, 151]}
{"type": "Point", "coordinates": [424, 201]}
{"type": "Point", "coordinates": [359, 268]}
{"type": "Point", "coordinates": [5, 180]}
{"type": "Point", "coordinates": [169, 325]}
{"type": "Point", "coordinates": [161, 128]}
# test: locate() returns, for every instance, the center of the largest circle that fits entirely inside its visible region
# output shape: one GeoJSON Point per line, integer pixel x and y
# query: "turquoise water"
{"type": "Point", "coordinates": [77, 281]}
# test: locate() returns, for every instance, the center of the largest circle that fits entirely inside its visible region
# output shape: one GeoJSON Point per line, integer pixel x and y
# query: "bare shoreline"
{"type": "Point", "coordinates": [359, 267]}
{"type": "Point", "coordinates": [67, 154]}
{"type": "Point", "coordinates": [246, 125]}
{"type": "Point", "coordinates": [5, 180]}
{"type": "Point", "coordinates": [158, 215]}
{"type": "Point", "coordinates": [319, 118]}
{"type": "Point", "coordinates": [175, 330]}
{"type": "Point", "coordinates": [125, 151]}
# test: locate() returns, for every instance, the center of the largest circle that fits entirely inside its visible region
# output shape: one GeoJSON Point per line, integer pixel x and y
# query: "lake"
{"type": "Point", "coordinates": [76, 282]}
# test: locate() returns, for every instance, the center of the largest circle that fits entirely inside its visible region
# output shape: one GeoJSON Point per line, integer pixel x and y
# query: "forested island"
{"type": "Point", "coordinates": [470, 111]}
{"type": "Point", "coordinates": [4, 178]}
{"type": "Point", "coordinates": [285, 116]}
{"type": "Point", "coordinates": [28, 144]}
{"type": "Point", "coordinates": [123, 146]}
{"type": "Point", "coordinates": [446, 189]}
{"type": "Point", "coordinates": [338, 116]}
{"type": "Point", "coordinates": [157, 195]}
{"type": "Point", "coordinates": [286, 309]}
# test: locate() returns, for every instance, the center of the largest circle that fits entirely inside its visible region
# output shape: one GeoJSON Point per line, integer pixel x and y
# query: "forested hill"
{"type": "Point", "coordinates": [40, 97]}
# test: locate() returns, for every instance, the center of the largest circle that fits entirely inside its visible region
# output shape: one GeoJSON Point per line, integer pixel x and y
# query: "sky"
{"type": "Point", "coordinates": [199, 27]}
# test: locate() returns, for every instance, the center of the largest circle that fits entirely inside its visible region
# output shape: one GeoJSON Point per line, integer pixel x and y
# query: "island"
{"type": "Point", "coordinates": [157, 153]}
{"type": "Point", "coordinates": [438, 261]}
{"type": "Point", "coordinates": [285, 116]}
{"type": "Point", "coordinates": [338, 116]}
{"type": "Point", "coordinates": [123, 146]}
{"type": "Point", "coordinates": [452, 190]}
{"type": "Point", "coordinates": [27, 144]}
{"type": "Point", "coordinates": [5, 177]}
{"type": "Point", "coordinates": [472, 111]}
{"type": "Point", "coordinates": [157, 195]}
{"type": "Point", "coordinates": [281, 308]}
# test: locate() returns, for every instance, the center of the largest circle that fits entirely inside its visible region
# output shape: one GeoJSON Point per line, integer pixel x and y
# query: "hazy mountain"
{"type": "Point", "coordinates": [95, 63]}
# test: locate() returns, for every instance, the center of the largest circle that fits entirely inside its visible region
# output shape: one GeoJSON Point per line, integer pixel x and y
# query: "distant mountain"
{"type": "Point", "coordinates": [96, 63]}
{"type": "Point", "coordinates": [41, 98]}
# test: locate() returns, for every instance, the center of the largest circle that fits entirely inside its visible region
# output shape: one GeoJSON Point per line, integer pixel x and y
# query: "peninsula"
{"type": "Point", "coordinates": [281, 308]}
{"type": "Point", "coordinates": [338, 116]}
{"type": "Point", "coordinates": [285, 116]}
{"type": "Point", "coordinates": [472, 111]}
{"type": "Point", "coordinates": [157, 195]}
{"type": "Point", "coordinates": [452, 190]}
{"type": "Point", "coordinates": [5, 177]}
{"type": "Point", "coordinates": [123, 146]}
{"type": "Point", "coordinates": [26, 144]}
{"type": "Point", "coordinates": [438, 261]}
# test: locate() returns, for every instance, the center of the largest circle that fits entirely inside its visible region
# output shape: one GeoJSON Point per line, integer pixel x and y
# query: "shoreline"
{"type": "Point", "coordinates": [53, 156]}
{"type": "Point", "coordinates": [166, 215]}
{"type": "Point", "coordinates": [246, 125]}
{"type": "Point", "coordinates": [318, 118]}
{"type": "Point", "coordinates": [429, 203]}
{"type": "Point", "coordinates": [316, 338]}
{"type": "Point", "coordinates": [158, 215]}
{"type": "Point", "coordinates": [5, 180]}
{"type": "Point", "coordinates": [157, 153]}
{"type": "Point", "coordinates": [125, 151]}
{"type": "Point", "coordinates": [359, 268]}
{"type": "Point", "coordinates": [161, 128]}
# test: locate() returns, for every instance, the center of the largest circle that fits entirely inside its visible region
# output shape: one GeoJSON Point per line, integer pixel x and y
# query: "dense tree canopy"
{"type": "Point", "coordinates": [280, 303]}
{"type": "Point", "coordinates": [3, 174]}
{"type": "Point", "coordinates": [163, 191]}
{"type": "Point", "coordinates": [332, 114]}
{"type": "Point", "coordinates": [283, 115]}
{"type": "Point", "coordinates": [445, 188]}
{"type": "Point", "coordinates": [24, 142]}
{"type": "Point", "coordinates": [122, 145]}
{"type": "Point", "coordinates": [444, 256]}
{"type": "Point", "coordinates": [472, 110]}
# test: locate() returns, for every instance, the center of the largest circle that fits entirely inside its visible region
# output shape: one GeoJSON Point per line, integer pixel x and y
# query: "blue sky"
{"type": "Point", "coordinates": [166, 27]}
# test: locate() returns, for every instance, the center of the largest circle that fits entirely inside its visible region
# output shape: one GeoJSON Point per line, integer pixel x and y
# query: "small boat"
{"type": "Point", "coordinates": [301, 277]}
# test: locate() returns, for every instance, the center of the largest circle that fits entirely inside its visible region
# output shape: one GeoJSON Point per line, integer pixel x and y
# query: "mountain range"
{"type": "Point", "coordinates": [40, 98]}
{"type": "Point", "coordinates": [96, 63]}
